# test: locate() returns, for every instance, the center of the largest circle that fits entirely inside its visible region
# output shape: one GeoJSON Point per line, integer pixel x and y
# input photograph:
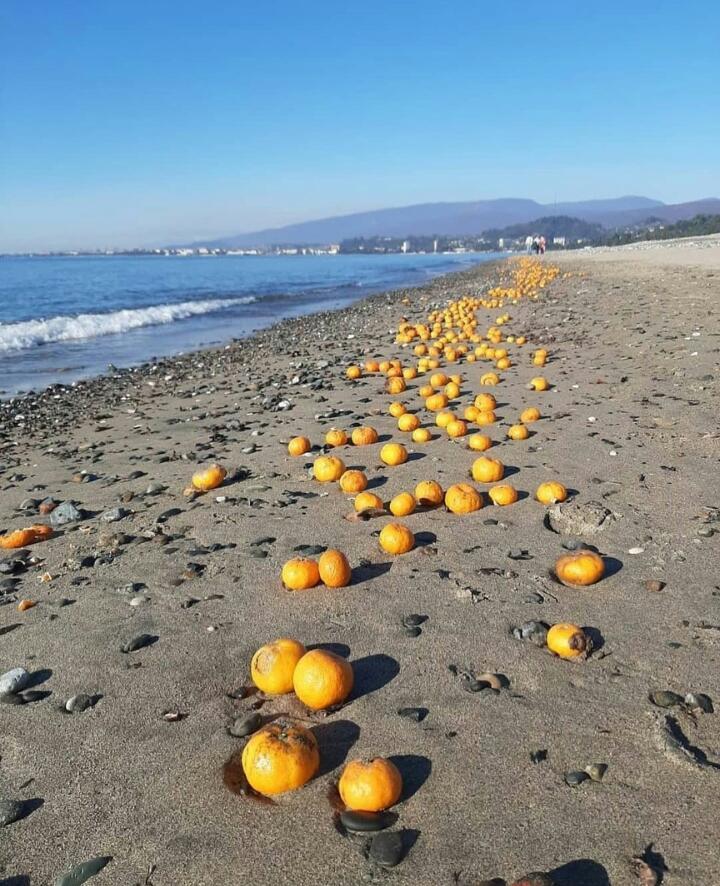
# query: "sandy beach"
{"type": "Point", "coordinates": [629, 426]}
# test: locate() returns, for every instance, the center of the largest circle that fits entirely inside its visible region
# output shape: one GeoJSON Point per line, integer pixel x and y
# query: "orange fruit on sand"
{"type": "Point", "coordinates": [282, 756]}
{"type": "Point", "coordinates": [580, 568]}
{"type": "Point", "coordinates": [328, 468]}
{"type": "Point", "coordinates": [393, 454]}
{"type": "Point", "coordinates": [273, 665]}
{"type": "Point", "coordinates": [396, 539]}
{"type": "Point", "coordinates": [322, 679]}
{"type": "Point", "coordinates": [209, 478]}
{"type": "Point", "coordinates": [567, 640]}
{"type": "Point", "coordinates": [368, 501]}
{"type": "Point", "coordinates": [462, 498]}
{"type": "Point", "coordinates": [299, 446]}
{"type": "Point", "coordinates": [428, 492]}
{"type": "Point", "coordinates": [300, 574]}
{"type": "Point", "coordinates": [402, 504]}
{"type": "Point", "coordinates": [334, 569]}
{"type": "Point", "coordinates": [353, 481]}
{"type": "Point", "coordinates": [370, 785]}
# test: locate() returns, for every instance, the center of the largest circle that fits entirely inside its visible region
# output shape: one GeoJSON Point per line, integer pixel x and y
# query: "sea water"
{"type": "Point", "coordinates": [68, 317]}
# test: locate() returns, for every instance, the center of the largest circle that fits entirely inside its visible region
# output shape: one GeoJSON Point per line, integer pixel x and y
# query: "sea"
{"type": "Point", "coordinates": [64, 318]}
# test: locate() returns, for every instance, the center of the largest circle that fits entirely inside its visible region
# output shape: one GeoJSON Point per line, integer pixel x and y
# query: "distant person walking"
{"type": "Point", "coordinates": [528, 244]}
{"type": "Point", "coordinates": [541, 244]}
{"type": "Point", "coordinates": [535, 245]}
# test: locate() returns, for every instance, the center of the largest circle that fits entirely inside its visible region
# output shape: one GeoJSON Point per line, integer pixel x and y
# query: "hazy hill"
{"type": "Point", "coordinates": [439, 218]}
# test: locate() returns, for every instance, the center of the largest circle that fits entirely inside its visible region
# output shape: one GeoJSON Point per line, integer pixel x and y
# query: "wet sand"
{"type": "Point", "coordinates": [630, 423]}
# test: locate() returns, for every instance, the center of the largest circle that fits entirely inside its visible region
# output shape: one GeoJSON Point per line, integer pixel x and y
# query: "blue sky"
{"type": "Point", "coordinates": [135, 123]}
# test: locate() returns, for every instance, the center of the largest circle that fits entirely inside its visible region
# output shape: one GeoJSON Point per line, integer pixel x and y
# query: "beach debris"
{"type": "Point", "coordinates": [596, 771]}
{"type": "Point", "coordinates": [30, 535]}
{"type": "Point", "coordinates": [654, 585]}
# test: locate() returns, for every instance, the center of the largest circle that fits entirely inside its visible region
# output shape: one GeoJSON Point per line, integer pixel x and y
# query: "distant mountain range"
{"type": "Point", "coordinates": [471, 218]}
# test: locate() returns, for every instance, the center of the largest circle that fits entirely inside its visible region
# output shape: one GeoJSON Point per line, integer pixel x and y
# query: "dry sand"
{"type": "Point", "coordinates": [634, 347]}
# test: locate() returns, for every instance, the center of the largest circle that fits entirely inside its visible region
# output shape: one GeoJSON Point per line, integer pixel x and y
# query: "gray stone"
{"type": "Point", "coordinates": [67, 512]}
{"type": "Point", "coordinates": [78, 703]}
{"type": "Point", "coordinates": [82, 872]}
{"type": "Point", "coordinates": [113, 515]}
{"type": "Point", "coordinates": [245, 725]}
{"type": "Point", "coordinates": [14, 681]}
{"type": "Point", "coordinates": [10, 811]}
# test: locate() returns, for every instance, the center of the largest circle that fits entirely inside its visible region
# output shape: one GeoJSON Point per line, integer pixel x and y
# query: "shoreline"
{"type": "Point", "coordinates": [126, 382]}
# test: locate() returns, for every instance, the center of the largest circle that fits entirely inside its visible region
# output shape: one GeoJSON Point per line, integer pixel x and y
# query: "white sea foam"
{"type": "Point", "coordinates": [20, 336]}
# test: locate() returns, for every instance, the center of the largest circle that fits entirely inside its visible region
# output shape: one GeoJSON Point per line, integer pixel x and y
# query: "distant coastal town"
{"type": "Point", "coordinates": [559, 232]}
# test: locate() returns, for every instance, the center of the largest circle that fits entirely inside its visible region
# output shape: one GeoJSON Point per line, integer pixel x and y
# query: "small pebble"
{"type": "Point", "coordinates": [78, 703]}
{"type": "Point", "coordinates": [386, 849]}
{"type": "Point", "coordinates": [413, 620]}
{"type": "Point", "coordinates": [14, 681]}
{"type": "Point", "coordinates": [245, 725]}
{"type": "Point", "coordinates": [699, 702]}
{"type": "Point", "coordinates": [665, 698]}
{"type": "Point", "coordinates": [84, 871]}
{"type": "Point", "coordinates": [575, 778]}
{"type": "Point", "coordinates": [10, 811]}
{"type": "Point", "coordinates": [364, 822]}
{"type": "Point", "coordinates": [415, 714]}
{"type": "Point", "coordinates": [636, 551]}
{"type": "Point", "coordinates": [138, 642]}
{"type": "Point", "coordinates": [654, 585]}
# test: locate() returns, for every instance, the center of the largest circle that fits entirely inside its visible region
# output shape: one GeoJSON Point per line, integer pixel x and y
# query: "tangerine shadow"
{"type": "Point", "coordinates": [372, 570]}
{"type": "Point", "coordinates": [415, 770]}
{"type": "Point", "coordinates": [583, 870]}
{"type": "Point", "coordinates": [335, 740]}
{"type": "Point", "coordinates": [372, 672]}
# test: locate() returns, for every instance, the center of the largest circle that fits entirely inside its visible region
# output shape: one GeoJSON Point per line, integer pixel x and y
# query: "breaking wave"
{"type": "Point", "coordinates": [31, 333]}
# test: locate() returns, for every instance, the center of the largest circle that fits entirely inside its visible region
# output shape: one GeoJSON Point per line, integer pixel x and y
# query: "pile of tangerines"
{"type": "Point", "coordinates": [284, 755]}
